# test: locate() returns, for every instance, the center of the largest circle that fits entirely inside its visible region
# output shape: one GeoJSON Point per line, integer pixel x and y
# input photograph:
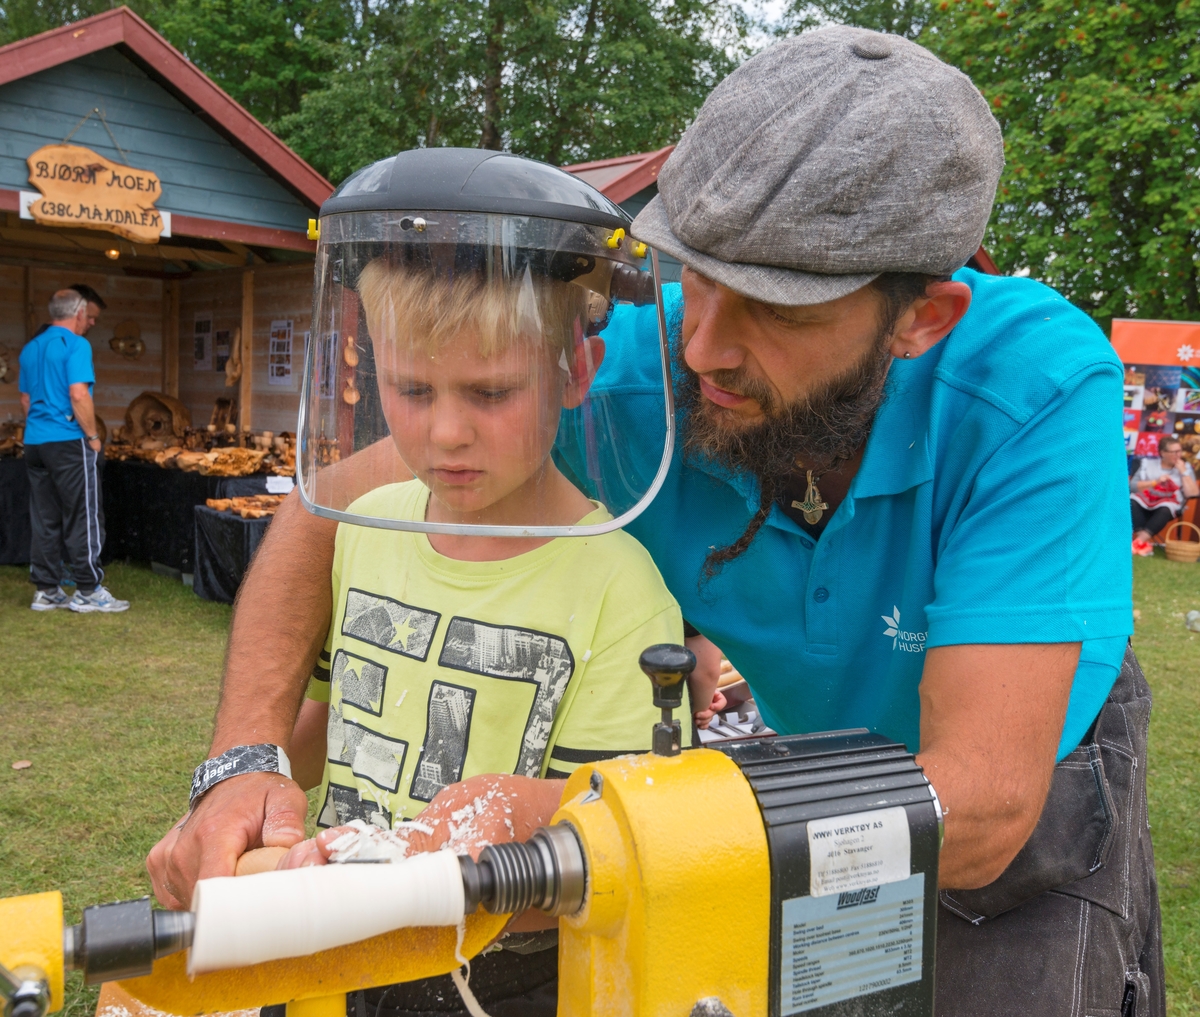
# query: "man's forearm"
{"type": "Point", "coordinates": [279, 625]}
{"type": "Point", "coordinates": [85, 413]}
{"type": "Point", "coordinates": [991, 720]}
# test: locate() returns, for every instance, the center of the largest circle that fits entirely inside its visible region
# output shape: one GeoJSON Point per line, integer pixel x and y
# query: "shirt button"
{"type": "Point", "coordinates": [820, 594]}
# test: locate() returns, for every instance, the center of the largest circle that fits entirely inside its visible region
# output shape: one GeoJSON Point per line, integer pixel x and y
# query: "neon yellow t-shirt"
{"type": "Point", "coordinates": [437, 669]}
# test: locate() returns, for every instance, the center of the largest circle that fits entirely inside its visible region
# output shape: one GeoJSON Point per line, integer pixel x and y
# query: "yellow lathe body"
{"type": "Point", "coordinates": [773, 877]}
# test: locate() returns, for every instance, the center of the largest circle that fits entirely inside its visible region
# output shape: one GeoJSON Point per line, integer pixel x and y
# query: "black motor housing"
{"type": "Point", "coordinates": [858, 948]}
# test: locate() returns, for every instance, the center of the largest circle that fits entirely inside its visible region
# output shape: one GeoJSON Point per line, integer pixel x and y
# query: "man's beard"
{"type": "Point", "coordinates": [825, 428]}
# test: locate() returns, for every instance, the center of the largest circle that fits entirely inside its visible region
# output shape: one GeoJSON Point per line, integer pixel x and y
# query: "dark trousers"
{"type": "Point", "coordinates": [66, 513]}
{"type": "Point", "coordinates": [1150, 520]}
{"type": "Point", "coordinates": [1072, 927]}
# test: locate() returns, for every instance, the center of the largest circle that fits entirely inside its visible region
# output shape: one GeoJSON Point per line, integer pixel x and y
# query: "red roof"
{"type": "Point", "coordinates": [122, 28]}
{"type": "Point", "coordinates": [621, 178]}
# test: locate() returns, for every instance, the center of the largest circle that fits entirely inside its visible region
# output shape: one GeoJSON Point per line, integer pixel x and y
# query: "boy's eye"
{"type": "Point", "coordinates": [492, 395]}
{"type": "Point", "coordinates": [414, 391]}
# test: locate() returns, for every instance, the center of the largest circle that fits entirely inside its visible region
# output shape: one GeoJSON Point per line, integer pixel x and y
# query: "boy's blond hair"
{"type": "Point", "coordinates": [429, 310]}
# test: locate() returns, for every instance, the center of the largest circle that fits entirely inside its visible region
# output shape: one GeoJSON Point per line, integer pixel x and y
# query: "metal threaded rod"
{"type": "Point", "coordinates": [547, 872]}
{"type": "Point", "coordinates": [520, 879]}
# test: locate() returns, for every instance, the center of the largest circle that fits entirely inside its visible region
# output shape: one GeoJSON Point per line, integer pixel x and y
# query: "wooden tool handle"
{"type": "Point", "coordinates": [259, 860]}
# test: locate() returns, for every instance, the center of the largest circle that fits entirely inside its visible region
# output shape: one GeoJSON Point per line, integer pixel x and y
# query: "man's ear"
{"type": "Point", "coordinates": [589, 355]}
{"type": "Point", "coordinates": [930, 319]}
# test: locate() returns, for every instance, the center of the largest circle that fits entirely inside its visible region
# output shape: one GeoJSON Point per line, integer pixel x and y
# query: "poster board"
{"type": "Point", "coordinates": [279, 355]}
{"type": "Point", "coordinates": [1162, 383]}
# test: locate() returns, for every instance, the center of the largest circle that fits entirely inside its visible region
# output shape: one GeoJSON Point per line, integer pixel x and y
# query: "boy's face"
{"type": "Point", "coordinates": [474, 429]}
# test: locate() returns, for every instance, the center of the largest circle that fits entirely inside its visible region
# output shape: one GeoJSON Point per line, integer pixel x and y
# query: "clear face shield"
{"type": "Point", "coordinates": [483, 374]}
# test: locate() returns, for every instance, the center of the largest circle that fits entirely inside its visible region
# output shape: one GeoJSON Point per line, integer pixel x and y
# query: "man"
{"type": "Point", "coordinates": [857, 517]}
{"type": "Point", "coordinates": [95, 304]}
{"type": "Point", "coordinates": [62, 452]}
{"type": "Point", "coordinates": [1158, 491]}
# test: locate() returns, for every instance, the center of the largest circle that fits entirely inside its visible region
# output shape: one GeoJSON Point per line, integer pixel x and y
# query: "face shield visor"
{"type": "Point", "coordinates": [483, 374]}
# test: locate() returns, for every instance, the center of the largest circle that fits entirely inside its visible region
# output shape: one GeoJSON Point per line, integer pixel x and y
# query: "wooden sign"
{"type": "Point", "coordinates": [81, 188]}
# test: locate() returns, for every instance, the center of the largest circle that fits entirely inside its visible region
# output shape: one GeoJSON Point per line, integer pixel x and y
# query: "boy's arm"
{"type": "Point", "coordinates": [279, 625]}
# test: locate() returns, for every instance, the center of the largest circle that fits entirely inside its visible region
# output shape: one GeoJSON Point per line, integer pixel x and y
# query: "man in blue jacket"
{"type": "Point", "coordinates": [62, 452]}
{"type": "Point", "coordinates": [900, 503]}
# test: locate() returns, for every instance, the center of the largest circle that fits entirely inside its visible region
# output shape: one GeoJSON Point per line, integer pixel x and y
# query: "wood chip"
{"type": "Point", "coordinates": [22, 764]}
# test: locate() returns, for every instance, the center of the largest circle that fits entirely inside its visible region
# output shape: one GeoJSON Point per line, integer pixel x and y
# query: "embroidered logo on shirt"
{"type": "Point", "coordinates": [909, 642]}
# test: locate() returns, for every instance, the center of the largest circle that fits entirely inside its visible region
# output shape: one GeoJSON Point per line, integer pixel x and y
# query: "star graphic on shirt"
{"type": "Point", "coordinates": [403, 631]}
{"type": "Point", "coordinates": [893, 625]}
{"type": "Point", "coordinates": [1185, 352]}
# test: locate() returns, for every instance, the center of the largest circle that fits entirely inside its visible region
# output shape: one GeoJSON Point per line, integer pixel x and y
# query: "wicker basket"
{"type": "Point", "coordinates": [1182, 550]}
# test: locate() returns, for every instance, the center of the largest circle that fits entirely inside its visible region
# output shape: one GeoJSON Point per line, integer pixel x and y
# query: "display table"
{"type": "Point", "coordinates": [225, 543]}
{"type": "Point", "coordinates": [148, 511]}
{"type": "Point", "coordinates": [15, 531]}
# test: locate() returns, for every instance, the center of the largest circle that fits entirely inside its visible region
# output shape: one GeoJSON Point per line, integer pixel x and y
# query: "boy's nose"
{"type": "Point", "coordinates": [450, 427]}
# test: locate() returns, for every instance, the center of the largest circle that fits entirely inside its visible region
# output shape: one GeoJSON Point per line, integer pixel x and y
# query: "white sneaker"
{"type": "Point", "coordinates": [49, 601]}
{"type": "Point", "coordinates": [98, 600]}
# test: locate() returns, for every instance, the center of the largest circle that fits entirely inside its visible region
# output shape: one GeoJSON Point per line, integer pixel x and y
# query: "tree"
{"type": "Point", "coordinates": [558, 80]}
{"type": "Point", "coordinates": [265, 53]}
{"type": "Point", "coordinates": [900, 17]}
{"type": "Point", "coordinates": [1100, 196]}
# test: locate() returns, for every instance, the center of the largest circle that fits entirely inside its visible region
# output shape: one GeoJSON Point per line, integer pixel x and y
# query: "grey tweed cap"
{"type": "Point", "coordinates": [824, 161]}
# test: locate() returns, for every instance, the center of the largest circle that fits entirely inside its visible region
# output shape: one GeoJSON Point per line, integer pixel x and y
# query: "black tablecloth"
{"type": "Point", "coordinates": [148, 511]}
{"type": "Point", "coordinates": [15, 532]}
{"type": "Point", "coordinates": [225, 543]}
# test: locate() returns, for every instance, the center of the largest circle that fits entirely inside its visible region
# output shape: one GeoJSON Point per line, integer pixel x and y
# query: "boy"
{"type": "Point", "coordinates": [453, 656]}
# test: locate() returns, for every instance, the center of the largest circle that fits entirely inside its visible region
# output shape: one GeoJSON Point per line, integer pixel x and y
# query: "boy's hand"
{"type": "Point", "coordinates": [468, 816]}
{"type": "Point", "coordinates": [250, 811]}
{"type": "Point", "coordinates": [702, 682]}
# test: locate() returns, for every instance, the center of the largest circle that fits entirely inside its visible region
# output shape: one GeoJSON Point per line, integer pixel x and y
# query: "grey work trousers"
{"type": "Point", "coordinates": [66, 513]}
{"type": "Point", "coordinates": [1072, 927]}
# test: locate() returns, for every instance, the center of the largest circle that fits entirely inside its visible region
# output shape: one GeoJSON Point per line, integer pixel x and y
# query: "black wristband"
{"type": "Point", "coordinates": [236, 761]}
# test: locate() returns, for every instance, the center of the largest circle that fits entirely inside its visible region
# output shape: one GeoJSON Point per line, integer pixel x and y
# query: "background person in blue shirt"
{"type": "Point", "coordinates": [62, 452]}
{"type": "Point", "coordinates": [900, 503]}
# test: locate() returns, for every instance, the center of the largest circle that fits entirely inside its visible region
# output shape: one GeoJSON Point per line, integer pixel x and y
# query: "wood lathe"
{"type": "Point", "coordinates": [772, 876]}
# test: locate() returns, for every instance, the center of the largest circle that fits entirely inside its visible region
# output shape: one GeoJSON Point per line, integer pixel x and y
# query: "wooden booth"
{"type": "Point", "coordinates": [125, 168]}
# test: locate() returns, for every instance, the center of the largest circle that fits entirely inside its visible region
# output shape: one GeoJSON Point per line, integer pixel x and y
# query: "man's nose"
{"type": "Point", "coordinates": [713, 344]}
{"type": "Point", "coordinates": [451, 426]}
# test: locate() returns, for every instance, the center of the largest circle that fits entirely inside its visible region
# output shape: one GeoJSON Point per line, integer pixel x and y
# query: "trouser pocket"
{"type": "Point", "coordinates": [1070, 841]}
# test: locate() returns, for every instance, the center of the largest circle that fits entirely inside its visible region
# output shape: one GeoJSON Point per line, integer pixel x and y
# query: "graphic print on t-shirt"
{"type": "Point", "coordinates": [515, 654]}
{"type": "Point", "coordinates": [447, 730]}
{"type": "Point", "coordinates": [389, 624]}
{"type": "Point", "coordinates": [359, 682]}
{"type": "Point", "coordinates": [369, 754]}
{"type": "Point", "coordinates": [343, 804]}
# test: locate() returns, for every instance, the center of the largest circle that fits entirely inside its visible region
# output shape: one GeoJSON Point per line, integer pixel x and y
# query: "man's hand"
{"type": "Point", "coordinates": [95, 444]}
{"type": "Point", "coordinates": [991, 721]}
{"type": "Point", "coordinates": [250, 811]}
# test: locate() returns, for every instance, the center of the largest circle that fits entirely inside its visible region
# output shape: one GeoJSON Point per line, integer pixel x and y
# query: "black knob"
{"type": "Point", "coordinates": [667, 665]}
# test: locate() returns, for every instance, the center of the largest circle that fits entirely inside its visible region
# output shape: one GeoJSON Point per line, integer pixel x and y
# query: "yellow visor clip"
{"type": "Point", "coordinates": [615, 240]}
{"type": "Point", "coordinates": [314, 230]}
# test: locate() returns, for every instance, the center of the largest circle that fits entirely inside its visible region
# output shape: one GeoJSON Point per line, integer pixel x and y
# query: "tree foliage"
{"type": "Point", "coordinates": [346, 82]}
{"type": "Point", "coordinates": [558, 80]}
{"type": "Point", "coordinates": [1100, 196]}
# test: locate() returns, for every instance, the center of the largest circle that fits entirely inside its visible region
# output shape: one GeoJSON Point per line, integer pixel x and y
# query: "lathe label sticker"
{"type": "Point", "coordinates": [841, 947]}
{"type": "Point", "coordinates": [859, 850]}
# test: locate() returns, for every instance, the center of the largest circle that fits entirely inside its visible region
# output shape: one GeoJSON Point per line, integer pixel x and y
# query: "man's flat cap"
{"type": "Point", "coordinates": [822, 162]}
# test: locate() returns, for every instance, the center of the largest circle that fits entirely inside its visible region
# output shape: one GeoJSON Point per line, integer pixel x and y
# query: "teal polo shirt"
{"type": "Point", "coordinates": [51, 363]}
{"type": "Point", "coordinates": [991, 506]}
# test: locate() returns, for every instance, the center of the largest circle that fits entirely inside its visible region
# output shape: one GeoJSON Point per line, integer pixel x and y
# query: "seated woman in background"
{"type": "Point", "coordinates": [1158, 491]}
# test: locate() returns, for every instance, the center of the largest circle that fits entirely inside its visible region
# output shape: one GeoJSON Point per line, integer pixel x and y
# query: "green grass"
{"type": "Point", "coordinates": [115, 710]}
{"type": "Point", "coordinates": [1170, 655]}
